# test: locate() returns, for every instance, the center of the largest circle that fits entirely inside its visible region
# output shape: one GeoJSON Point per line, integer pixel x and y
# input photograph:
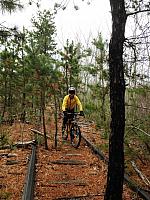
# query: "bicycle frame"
{"type": "Point", "coordinates": [73, 130]}
{"type": "Point", "coordinates": [71, 120]}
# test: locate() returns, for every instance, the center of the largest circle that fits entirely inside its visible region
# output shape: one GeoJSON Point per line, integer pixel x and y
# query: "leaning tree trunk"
{"type": "Point", "coordinates": [115, 175]}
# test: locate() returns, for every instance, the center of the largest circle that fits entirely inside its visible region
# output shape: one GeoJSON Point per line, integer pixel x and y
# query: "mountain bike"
{"type": "Point", "coordinates": [72, 129]}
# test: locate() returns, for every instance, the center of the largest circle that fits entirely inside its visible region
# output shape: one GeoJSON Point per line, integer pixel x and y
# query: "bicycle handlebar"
{"type": "Point", "coordinates": [75, 113]}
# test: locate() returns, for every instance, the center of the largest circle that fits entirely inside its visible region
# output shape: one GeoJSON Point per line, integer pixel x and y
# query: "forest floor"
{"type": "Point", "coordinates": [61, 173]}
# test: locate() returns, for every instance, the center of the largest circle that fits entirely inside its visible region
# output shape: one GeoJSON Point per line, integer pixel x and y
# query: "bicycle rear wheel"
{"type": "Point", "coordinates": [65, 133]}
{"type": "Point", "coordinates": [75, 135]}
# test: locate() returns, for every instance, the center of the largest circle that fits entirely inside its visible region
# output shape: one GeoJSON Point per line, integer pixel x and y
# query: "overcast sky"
{"type": "Point", "coordinates": [73, 24]}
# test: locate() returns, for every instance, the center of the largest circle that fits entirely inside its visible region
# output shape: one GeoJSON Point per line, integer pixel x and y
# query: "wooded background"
{"type": "Point", "coordinates": [112, 78]}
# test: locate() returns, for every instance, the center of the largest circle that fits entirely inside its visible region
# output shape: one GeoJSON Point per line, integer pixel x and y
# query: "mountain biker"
{"type": "Point", "coordinates": [69, 103]}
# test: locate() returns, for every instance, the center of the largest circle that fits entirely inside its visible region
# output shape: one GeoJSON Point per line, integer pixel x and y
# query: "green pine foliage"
{"type": "Point", "coordinates": [35, 74]}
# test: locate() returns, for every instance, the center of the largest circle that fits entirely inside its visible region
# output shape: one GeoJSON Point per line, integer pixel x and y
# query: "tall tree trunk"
{"type": "Point", "coordinates": [56, 121]}
{"type": "Point", "coordinates": [43, 116]}
{"type": "Point", "coordinates": [23, 114]}
{"type": "Point", "coordinates": [5, 98]}
{"type": "Point", "coordinates": [115, 175]}
{"type": "Point", "coordinates": [66, 75]}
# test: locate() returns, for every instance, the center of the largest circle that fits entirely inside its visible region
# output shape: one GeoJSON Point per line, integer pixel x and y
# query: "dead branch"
{"type": "Point", "coordinates": [140, 174]}
{"type": "Point", "coordinates": [145, 108]}
{"type": "Point", "coordinates": [136, 12]}
{"type": "Point", "coordinates": [39, 133]}
{"type": "Point", "coordinates": [139, 130]}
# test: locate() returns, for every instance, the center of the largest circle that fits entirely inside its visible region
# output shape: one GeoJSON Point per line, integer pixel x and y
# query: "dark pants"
{"type": "Point", "coordinates": [66, 117]}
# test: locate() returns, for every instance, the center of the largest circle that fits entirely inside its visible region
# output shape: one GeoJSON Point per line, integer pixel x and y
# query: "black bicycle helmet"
{"type": "Point", "coordinates": [71, 90]}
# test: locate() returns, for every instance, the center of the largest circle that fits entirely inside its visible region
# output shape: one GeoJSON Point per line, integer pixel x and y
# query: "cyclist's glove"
{"type": "Point", "coordinates": [81, 113]}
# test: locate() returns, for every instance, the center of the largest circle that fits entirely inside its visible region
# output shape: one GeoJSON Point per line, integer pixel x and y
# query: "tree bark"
{"type": "Point", "coordinates": [43, 116]}
{"type": "Point", "coordinates": [115, 174]}
{"type": "Point", "coordinates": [56, 121]}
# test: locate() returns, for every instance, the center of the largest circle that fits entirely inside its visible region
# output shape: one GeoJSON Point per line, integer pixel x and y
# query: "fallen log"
{"type": "Point", "coordinates": [79, 197]}
{"type": "Point", "coordinates": [39, 133]}
{"type": "Point", "coordinates": [28, 192]}
{"type": "Point", "coordinates": [68, 162]}
{"type": "Point", "coordinates": [19, 145]}
{"type": "Point", "coordinates": [65, 182]}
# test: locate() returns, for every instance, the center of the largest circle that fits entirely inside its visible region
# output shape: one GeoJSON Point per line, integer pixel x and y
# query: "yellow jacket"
{"type": "Point", "coordinates": [71, 103]}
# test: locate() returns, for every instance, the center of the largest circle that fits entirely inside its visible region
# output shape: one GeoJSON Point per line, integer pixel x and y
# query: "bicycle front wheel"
{"type": "Point", "coordinates": [75, 135]}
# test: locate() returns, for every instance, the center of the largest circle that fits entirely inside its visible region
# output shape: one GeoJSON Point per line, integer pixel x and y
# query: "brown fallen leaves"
{"type": "Point", "coordinates": [61, 173]}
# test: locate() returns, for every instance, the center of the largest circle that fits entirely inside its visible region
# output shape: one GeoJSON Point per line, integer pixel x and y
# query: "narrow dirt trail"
{"type": "Point", "coordinates": [69, 173]}
{"type": "Point", "coordinates": [63, 173]}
